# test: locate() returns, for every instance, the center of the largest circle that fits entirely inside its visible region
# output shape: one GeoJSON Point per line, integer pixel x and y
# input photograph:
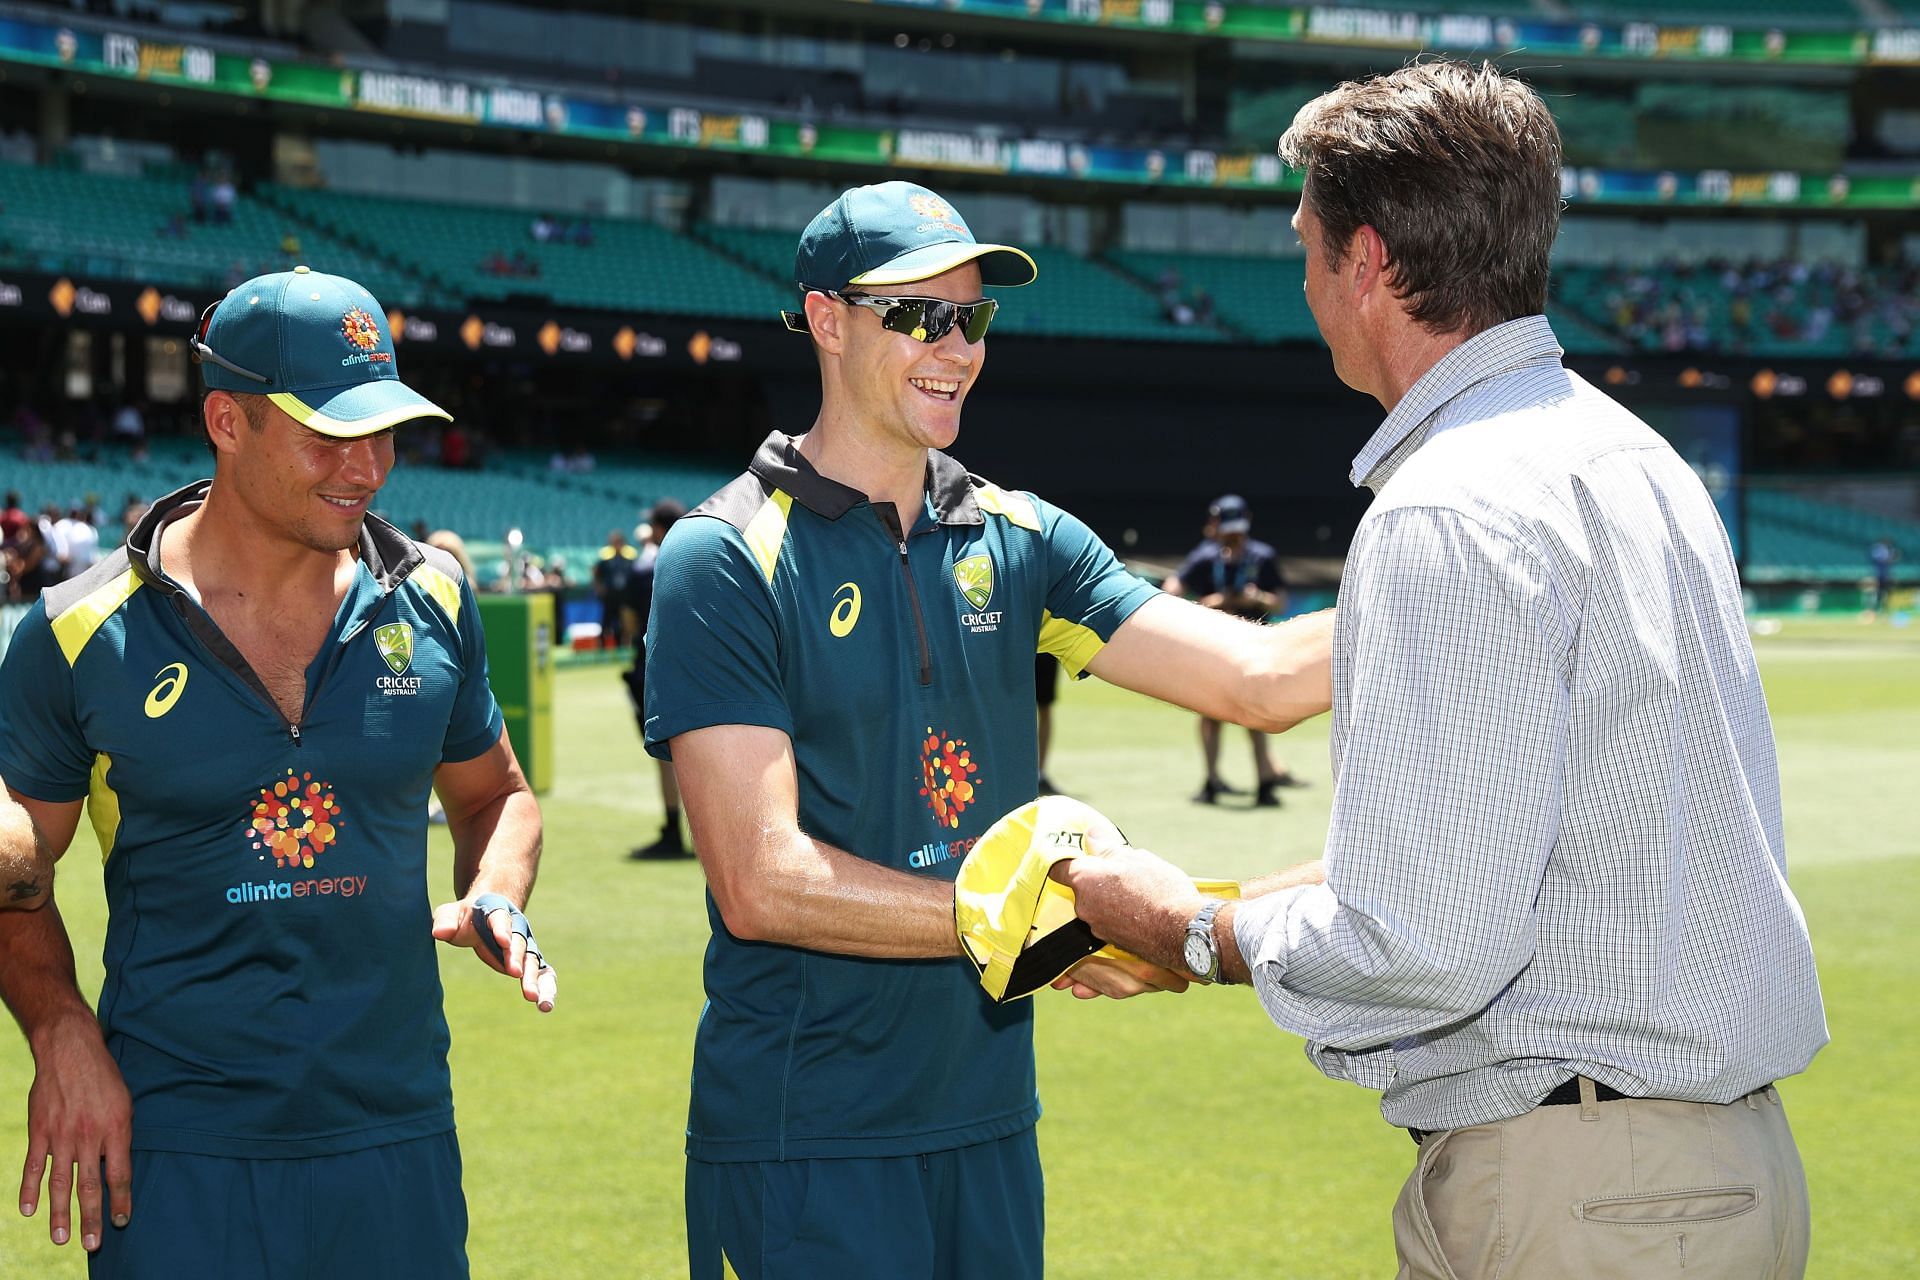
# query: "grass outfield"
{"type": "Point", "coordinates": [1182, 1135]}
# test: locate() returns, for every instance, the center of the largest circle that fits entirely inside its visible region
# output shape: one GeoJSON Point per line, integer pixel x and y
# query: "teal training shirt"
{"type": "Point", "coordinates": [904, 677]}
{"type": "Point", "coordinates": [272, 988]}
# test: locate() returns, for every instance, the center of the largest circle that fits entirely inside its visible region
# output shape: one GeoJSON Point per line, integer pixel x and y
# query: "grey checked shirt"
{"type": "Point", "coordinates": [1556, 843]}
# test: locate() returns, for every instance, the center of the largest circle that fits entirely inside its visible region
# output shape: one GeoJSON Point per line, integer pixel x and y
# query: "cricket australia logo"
{"type": "Point", "coordinates": [974, 577]}
{"type": "Point", "coordinates": [394, 644]}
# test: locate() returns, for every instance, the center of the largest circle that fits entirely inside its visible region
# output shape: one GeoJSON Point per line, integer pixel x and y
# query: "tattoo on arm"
{"type": "Point", "coordinates": [21, 890]}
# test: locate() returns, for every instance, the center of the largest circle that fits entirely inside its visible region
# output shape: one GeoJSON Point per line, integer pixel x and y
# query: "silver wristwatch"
{"type": "Point", "coordinates": [1202, 953]}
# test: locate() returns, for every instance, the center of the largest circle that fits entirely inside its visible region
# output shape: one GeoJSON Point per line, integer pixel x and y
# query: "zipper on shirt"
{"type": "Point", "coordinates": [235, 663]}
{"type": "Point", "coordinates": [891, 518]}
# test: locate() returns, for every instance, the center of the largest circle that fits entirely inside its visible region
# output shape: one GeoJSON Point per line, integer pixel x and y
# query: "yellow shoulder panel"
{"type": "Point", "coordinates": [443, 589]}
{"type": "Point", "coordinates": [767, 530]}
{"type": "Point", "coordinates": [1012, 506]}
{"type": "Point", "coordinates": [1073, 643]}
{"type": "Point", "coordinates": [77, 625]}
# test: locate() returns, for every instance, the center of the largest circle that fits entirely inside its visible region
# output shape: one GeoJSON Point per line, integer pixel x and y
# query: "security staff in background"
{"type": "Point", "coordinates": [1231, 572]}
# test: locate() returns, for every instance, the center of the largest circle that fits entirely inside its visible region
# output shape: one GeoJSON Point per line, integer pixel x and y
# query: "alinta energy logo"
{"type": "Point", "coordinates": [949, 778]}
{"type": "Point", "coordinates": [294, 821]}
{"type": "Point", "coordinates": [362, 332]}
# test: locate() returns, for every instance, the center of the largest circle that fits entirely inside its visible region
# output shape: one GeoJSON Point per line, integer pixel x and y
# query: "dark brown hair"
{"type": "Point", "coordinates": [1457, 167]}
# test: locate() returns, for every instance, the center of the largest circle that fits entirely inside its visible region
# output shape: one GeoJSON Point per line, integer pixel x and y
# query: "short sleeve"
{"type": "Point", "coordinates": [476, 722]}
{"type": "Point", "coordinates": [42, 751]}
{"type": "Point", "coordinates": [713, 638]}
{"type": "Point", "coordinates": [1089, 592]}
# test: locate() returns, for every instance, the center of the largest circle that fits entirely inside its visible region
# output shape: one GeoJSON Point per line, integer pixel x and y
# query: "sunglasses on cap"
{"type": "Point", "coordinates": [922, 319]}
{"type": "Point", "coordinates": [197, 344]}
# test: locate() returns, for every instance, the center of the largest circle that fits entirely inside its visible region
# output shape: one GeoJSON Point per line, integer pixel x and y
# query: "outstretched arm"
{"type": "Point", "coordinates": [1227, 668]}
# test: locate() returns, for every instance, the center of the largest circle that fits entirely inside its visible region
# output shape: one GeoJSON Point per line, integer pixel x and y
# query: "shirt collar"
{"type": "Point", "coordinates": [780, 463]}
{"type": "Point", "coordinates": [1495, 351]}
{"type": "Point", "coordinates": [389, 555]}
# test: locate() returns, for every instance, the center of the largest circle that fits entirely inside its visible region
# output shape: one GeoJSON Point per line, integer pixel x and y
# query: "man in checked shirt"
{"type": "Point", "coordinates": [1555, 926]}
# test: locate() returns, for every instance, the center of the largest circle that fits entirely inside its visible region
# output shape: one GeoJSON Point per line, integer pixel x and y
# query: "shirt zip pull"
{"type": "Point", "coordinates": [293, 731]}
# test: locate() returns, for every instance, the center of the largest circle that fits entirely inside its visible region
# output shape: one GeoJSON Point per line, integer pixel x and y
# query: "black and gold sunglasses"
{"type": "Point", "coordinates": [922, 319]}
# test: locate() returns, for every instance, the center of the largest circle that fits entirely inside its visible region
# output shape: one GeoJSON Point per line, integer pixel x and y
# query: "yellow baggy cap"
{"type": "Point", "coordinates": [1016, 922]}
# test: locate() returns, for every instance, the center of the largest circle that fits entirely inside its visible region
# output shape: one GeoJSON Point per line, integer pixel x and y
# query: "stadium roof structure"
{"type": "Point", "coordinates": [145, 56]}
{"type": "Point", "coordinates": [1779, 32]}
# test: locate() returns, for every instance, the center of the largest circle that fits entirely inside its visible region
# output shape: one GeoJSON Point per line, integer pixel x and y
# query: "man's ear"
{"type": "Point", "coordinates": [1366, 260]}
{"type": "Point", "coordinates": [225, 420]}
{"type": "Point", "coordinates": [823, 321]}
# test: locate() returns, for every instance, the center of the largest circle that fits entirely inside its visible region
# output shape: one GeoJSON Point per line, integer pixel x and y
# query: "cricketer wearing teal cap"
{"type": "Point", "coordinates": [840, 665]}
{"type": "Point", "coordinates": [253, 698]}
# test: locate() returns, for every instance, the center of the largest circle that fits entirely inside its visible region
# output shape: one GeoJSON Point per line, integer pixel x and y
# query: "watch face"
{"type": "Point", "coordinates": [1199, 956]}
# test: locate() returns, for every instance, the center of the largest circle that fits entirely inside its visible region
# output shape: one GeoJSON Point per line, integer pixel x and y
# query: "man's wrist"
{"type": "Point", "coordinates": [58, 1027]}
{"type": "Point", "coordinates": [1234, 969]}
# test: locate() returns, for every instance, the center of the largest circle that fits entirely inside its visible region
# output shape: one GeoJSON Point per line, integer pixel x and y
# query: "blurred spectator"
{"type": "Point", "coordinates": [455, 448]}
{"type": "Point", "coordinates": [580, 233]}
{"type": "Point", "coordinates": [24, 556]}
{"type": "Point", "coordinates": [290, 244]}
{"type": "Point", "coordinates": [543, 228]}
{"type": "Point", "coordinates": [612, 577]}
{"type": "Point", "coordinates": [454, 545]}
{"type": "Point", "coordinates": [13, 517]}
{"type": "Point", "coordinates": [223, 197]}
{"type": "Point", "coordinates": [132, 512]}
{"type": "Point", "coordinates": [50, 534]}
{"type": "Point", "coordinates": [523, 266]}
{"type": "Point", "coordinates": [130, 425]}
{"type": "Point", "coordinates": [1883, 555]}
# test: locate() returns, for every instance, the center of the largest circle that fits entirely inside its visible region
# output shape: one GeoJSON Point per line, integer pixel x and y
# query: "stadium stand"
{"type": "Point", "coordinates": [1791, 537]}
{"type": "Point", "coordinates": [1072, 296]}
{"type": "Point", "coordinates": [141, 228]}
{"type": "Point", "coordinates": [1766, 308]}
{"type": "Point", "coordinates": [628, 263]}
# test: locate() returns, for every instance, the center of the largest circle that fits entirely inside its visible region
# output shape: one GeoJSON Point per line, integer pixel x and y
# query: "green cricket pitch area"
{"type": "Point", "coordinates": [1183, 1135]}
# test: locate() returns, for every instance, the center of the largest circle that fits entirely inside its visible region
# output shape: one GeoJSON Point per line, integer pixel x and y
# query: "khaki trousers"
{"type": "Point", "coordinates": [1630, 1189]}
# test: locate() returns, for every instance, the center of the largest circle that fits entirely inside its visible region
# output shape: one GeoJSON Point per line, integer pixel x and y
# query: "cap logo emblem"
{"type": "Point", "coordinates": [931, 207]}
{"type": "Point", "coordinates": [362, 333]}
{"type": "Point", "coordinates": [360, 329]}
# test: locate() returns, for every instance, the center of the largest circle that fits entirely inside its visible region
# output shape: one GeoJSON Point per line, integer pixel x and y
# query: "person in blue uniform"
{"type": "Point", "coordinates": [253, 698]}
{"type": "Point", "coordinates": [840, 666]}
{"type": "Point", "coordinates": [1235, 574]}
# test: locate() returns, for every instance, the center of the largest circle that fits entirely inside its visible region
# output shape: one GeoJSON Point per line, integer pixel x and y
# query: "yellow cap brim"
{"type": "Point", "coordinates": [1001, 265]}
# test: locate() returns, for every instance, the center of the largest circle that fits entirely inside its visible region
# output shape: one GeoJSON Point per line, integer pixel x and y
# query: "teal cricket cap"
{"type": "Point", "coordinates": [896, 233]}
{"type": "Point", "coordinates": [316, 345]}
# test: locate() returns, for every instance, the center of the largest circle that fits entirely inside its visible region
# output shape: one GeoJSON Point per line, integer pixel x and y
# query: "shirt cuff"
{"type": "Point", "coordinates": [1259, 929]}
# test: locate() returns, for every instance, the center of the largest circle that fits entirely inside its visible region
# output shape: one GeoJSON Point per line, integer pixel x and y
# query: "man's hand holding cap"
{"type": "Point", "coordinates": [1017, 924]}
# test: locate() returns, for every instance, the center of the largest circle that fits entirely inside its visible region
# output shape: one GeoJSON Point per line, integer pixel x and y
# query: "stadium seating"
{"type": "Point", "coordinates": [64, 221]}
{"type": "Point", "coordinates": [1778, 309]}
{"type": "Point", "coordinates": [1071, 296]}
{"type": "Point", "coordinates": [630, 264]}
{"type": "Point", "coordinates": [1795, 538]}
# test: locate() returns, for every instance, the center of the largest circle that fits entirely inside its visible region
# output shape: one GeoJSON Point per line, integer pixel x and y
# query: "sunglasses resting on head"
{"type": "Point", "coordinates": [922, 319]}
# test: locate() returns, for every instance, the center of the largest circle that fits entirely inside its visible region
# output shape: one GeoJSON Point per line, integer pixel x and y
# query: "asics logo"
{"type": "Point", "coordinates": [173, 683]}
{"type": "Point", "coordinates": [846, 611]}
